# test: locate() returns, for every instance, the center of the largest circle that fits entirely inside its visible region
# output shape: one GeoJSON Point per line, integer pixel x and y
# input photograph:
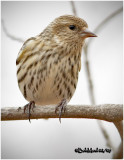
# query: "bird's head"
{"type": "Point", "coordinates": [69, 29]}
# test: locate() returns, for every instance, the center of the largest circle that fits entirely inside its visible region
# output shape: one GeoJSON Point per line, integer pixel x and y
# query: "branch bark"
{"type": "Point", "coordinates": [107, 112]}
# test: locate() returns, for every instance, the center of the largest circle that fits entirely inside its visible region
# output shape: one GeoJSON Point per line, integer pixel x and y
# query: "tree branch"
{"type": "Point", "coordinates": [107, 112]}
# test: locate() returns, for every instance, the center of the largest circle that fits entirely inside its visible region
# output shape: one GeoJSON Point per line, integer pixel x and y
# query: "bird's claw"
{"type": "Point", "coordinates": [61, 107]}
{"type": "Point", "coordinates": [19, 109]}
{"type": "Point", "coordinates": [28, 107]}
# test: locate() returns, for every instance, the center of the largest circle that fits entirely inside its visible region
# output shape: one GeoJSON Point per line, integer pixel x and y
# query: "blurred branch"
{"type": "Point", "coordinates": [73, 8]}
{"type": "Point", "coordinates": [119, 153]}
{"type": "Point", "coordinates": [10, 35]}
{"type": "Point", "coordinates": [106, 136]}
{"type": "Point", "coordinates": [100, 26]}
{"type": "Point", "coordinates": [91, 91]}
{"type": "Point", "coordinates": [88, 71]}
{"type": "Point", "coordinates": [105, 21]}
{"type": "Point", "coordinates": [107, 112]}
{"type": "Point", "coordinates": [89, 78]}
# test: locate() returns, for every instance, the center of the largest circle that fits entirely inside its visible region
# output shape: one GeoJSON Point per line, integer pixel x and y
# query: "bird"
{"type": "Point", "coordinates": [48, 64]}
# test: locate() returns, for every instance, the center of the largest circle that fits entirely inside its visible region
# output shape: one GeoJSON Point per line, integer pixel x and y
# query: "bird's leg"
{"type": "Point", "coordinates": [61, 107]}
{"type": "Point", "coordinates": [29, 106]}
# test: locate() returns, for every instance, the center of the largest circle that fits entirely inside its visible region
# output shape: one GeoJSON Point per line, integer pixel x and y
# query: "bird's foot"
{"type": "Point", "coordinates": [30, 106]}
{"type": "Point", "coordinates": [61, 107]}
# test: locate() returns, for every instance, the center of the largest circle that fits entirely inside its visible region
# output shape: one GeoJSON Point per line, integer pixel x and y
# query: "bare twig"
{"type": "Point", "coordinates": [105, 21]}
{"type": "Point", "coordinates": [88, 72]}
{"type": "Point", "coordinates": [100, 26]}
{"type": "Point", "coordinates": [73, 8]}
{"type": "Point", "coordinates": [96, 30]}
{"type": "Point", "coordinates": [108, 141]}
{"type": "Point", "coordinates": [119, 153]}
{"type": "Point", "coordinates": [107, 112]}
{"type": "Point", "coordinates": [91, 89]}
{"type": "Point", "coordinates": [10, 35]}
{"type": "Point", "coordinates": [89, 78]}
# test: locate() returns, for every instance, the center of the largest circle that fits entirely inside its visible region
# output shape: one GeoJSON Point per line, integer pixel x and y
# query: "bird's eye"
{"type": "Point", "coordinates": [72, 27]}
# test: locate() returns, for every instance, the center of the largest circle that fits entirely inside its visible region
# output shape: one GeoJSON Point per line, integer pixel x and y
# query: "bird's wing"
{"type": "Point", "coordinates": [30, 46]}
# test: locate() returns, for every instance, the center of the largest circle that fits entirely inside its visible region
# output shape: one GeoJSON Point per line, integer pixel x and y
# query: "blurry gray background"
{"type": "Point", "coordinates": [49, 138]}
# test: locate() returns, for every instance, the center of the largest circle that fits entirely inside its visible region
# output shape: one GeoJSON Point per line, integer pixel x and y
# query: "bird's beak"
{"type": "Point", "coordinates": [86, 33]}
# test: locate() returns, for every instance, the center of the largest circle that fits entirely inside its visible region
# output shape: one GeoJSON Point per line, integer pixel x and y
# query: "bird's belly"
{"type": "Point", "coordinates": [50, 85]}
{"type": "Point", "coordinates": [52, 90]}
{"type": "Point", "coordinates": [47, 93]}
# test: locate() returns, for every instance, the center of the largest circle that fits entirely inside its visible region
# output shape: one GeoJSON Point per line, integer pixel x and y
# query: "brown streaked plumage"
{"type": "Point", "coordinates": [48, 64]}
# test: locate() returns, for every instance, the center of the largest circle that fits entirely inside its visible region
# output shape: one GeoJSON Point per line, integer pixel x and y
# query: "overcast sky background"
{"type": "Point", "coordinates": [49, 138]}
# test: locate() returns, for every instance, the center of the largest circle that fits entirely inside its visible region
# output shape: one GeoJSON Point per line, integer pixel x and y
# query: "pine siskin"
{"type": "Point", "coordinates": [48, 64]}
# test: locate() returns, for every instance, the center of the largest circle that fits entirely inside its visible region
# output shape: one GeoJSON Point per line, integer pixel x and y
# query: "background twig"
{"type": "Point", "coordinates": [10, 35]}
{"type": "Point", "coordinates": [73, 8]}
{"type": "Point", "coordinates": [119, 153]}
{"type": "Point", "coordinates": [88, 72]}
{"type": "Point", "coordinates": [100, 26]}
